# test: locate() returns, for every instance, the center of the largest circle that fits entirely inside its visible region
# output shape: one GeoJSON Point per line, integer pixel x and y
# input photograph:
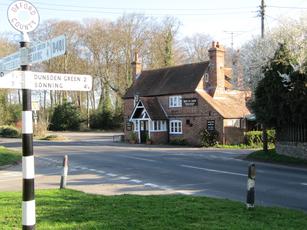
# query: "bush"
{"type": "Point", "coordinates": [254, 138]}
{"type": "Point", "coordinates": [65, 117]}
{"type": "Point", "coordinates": [41, 128]}
{"type": "Point", "coordinates": [209, 138]}
{"type": "Point", "coordinates": [9, 131]}
{"type": "Point", "coordinates": [105, 120]}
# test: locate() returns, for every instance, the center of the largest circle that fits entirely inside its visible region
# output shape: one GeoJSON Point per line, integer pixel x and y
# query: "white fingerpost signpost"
{"type": "Point", "coordinates": [24, 17]}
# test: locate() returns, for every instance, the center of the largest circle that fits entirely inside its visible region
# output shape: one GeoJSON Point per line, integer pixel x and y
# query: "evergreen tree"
{"type": "Point", "coordinates": [65, 117]}
{"type": "Point", "coordinates": [281, 96]}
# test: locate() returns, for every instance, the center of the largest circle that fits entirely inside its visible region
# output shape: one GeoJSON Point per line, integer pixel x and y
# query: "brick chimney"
{"type": "Point", "coordinates": [216, 70]}
{"type": "Point", "coordinates": [136, 67]}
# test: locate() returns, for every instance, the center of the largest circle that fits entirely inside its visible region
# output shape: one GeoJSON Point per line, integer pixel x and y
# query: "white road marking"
{"type": "Point", "coordinates": [124, 178]}
{"type": "Point", "coordinates": [11, 174]}
{"type": "Point", "coordinates": [100, 171]}
{"type": "Point", "coordinates": [136, 181]}
{"type": "Point", "coordinates": [111, 174]}
{"type": "Point", "coordinates": [151, 185]}
{"type": "Point", "coordinates": [184, 192]}
{"type": "Point", "coordinates": [213, 170]}
{"type": "Point", "coordinates": [142, 159]}
{"type": "Point", "coordinates": [304, 184]}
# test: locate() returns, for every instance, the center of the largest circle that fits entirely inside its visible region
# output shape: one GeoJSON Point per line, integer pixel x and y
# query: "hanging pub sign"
{"type": "Point", "coordinates": [129, 126]}
{"type": "Point", "coordinates": [211, 125]}
{"type": "Point", "coordinates": [189, 101]}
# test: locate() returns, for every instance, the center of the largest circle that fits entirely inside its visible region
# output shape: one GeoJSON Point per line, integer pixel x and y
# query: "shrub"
{"type": "Point", "coordinates": [105, 120]}
{"type": "Point", "coordinates": [41, 128]}
{"type": "Point", "coordinates": [132, 138]}
{"type": "Point", "coordinates": [65, 117]}
{"type": "Point", "coordinates": [209, 138]}
{"type": "Point", "coordinates": [254, 138]}
{"type": "Point", "coordinates": [9, 131]}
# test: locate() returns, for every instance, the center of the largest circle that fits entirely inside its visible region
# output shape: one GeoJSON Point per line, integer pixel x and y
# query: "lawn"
{"type": "Point", "coordinates": [8, 156]}
{"type": "Point", "coordinates": [272, 157]}
{"type": "Point", "coordinates": [68, 209]}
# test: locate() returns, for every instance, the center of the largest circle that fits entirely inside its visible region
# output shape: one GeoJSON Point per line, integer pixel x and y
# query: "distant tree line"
{"type": "Point", "coordinates": [105, 50]}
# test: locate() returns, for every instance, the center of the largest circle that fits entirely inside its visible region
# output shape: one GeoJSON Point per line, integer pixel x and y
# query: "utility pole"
{"type": "Point", "coordinates": [231, 36]}
{"type": "Point", "coordinates": [264, 128]}
{"type": "Point", "coordinates": [262, 13]}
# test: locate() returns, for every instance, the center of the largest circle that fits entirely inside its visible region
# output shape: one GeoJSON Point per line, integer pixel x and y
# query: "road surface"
{"type": "Point", "coordinates": [98, 165]}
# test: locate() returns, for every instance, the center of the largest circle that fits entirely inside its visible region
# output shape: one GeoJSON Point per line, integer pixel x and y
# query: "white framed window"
{"type": "Point", "coordinates": [175, 127]}
{"type": "Point", "coordinates": [175, 101]}
{"type": "Point", "coordinates": [158, 126]}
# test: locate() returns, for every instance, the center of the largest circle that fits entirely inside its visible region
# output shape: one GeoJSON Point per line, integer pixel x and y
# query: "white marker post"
{"type": "Point", "coordinates": [24, 17]}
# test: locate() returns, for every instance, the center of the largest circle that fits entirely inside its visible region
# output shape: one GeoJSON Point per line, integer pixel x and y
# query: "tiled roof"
{"type": "Point", "coordinates": [230, 105]}
{"type": "Point", "coordinates": [167, 81]}
{"type": "Point", "coordinates": [153, 108]}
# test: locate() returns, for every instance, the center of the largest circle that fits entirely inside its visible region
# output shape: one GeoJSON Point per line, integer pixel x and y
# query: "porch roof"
{"type": "Point", "coordinates": [153, 108]}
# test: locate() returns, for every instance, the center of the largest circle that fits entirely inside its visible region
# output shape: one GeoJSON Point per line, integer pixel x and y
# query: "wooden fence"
{"type": "Point", "coordinates": [292, 133]}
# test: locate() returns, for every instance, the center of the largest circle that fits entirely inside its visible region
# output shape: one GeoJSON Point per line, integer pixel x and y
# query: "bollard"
{"type": "Point", "coordinates": [250, 199]}
{"type": "Point", "coordinates": [64, 173]}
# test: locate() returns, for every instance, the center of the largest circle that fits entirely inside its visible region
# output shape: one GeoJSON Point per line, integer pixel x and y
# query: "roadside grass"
{"type": "Point", "coordinates": [68, 209]}
{"type": "Point", "coordinates": [272, 157]}
{"type": "Point", "coordinates": [8, 156]}
{"type": "Point", "coordinates": [243, 146]}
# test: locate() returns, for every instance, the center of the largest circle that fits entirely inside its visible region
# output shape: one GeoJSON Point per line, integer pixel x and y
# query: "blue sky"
{"type": "Point", "coordinates": [218, 18]}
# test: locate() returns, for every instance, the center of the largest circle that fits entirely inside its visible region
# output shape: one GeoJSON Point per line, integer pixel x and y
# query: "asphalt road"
{"type": "Point", "coordinates": [97, 165]}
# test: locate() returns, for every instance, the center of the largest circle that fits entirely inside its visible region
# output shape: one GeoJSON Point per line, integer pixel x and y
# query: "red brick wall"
{"type": "Point", "coordinates": [198, 116]}
{"type": "Point", "coordinates": [159, 137]}
{"type": "Point", "coordinates": [128, 108]}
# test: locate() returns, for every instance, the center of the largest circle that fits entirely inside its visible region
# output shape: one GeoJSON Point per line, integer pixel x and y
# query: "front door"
{"type": "Point", "coordinates": [144, 131]}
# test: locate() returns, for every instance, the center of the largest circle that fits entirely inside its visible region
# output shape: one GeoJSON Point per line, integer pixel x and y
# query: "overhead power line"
{"type": "Point", "coordinates": [120, 11]}
{"type": "Point", "coordinates": [289, 7]}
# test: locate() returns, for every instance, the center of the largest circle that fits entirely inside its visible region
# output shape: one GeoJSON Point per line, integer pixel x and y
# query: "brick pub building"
{"type": "Point", "coordinates": [176, 103]}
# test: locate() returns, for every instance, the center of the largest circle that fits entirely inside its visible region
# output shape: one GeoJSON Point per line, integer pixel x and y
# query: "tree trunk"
{"type": "Point", "coordinates": [265, 138]}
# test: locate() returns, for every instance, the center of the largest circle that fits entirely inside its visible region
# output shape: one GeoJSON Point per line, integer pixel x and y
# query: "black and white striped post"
{"type": "Point", "coordinates": [64, 173]}
{"type": "Point", "coordinates": [28, 197]}
{"type": "Point", "coordinates": [250, 199]}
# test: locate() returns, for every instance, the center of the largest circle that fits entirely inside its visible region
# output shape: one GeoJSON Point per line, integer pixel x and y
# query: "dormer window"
{"type": "Point", "coordinates": [175, 101]}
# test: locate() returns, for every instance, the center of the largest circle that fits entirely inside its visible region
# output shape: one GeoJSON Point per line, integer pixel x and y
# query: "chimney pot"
{"type": "Point", "coordinates": [136, 66]}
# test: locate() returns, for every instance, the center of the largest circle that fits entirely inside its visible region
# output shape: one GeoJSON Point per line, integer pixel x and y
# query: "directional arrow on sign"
{"type": "Point", "coordinates": [37, 53]}
{"type": "Point", "coordinates": [10, 62]}
{"type": "Point", "coordinates": [46, 81]}
{"type": "Point", "coordinates": [12, 80]}
{"type": "Point", "coordinates": [58, 81]}
{"type": "Point", "coordinates": [46, 50]}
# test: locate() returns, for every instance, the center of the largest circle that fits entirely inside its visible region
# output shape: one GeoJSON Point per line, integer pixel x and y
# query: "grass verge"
{"type": "Point", "coordinates": [272, 157]}
{"type": "Point", "coordinates": [68, 209]}
{"type": "Point", "coordinates": [8, 156]}
{"type": "Point", "coordinates": [243, 146]}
